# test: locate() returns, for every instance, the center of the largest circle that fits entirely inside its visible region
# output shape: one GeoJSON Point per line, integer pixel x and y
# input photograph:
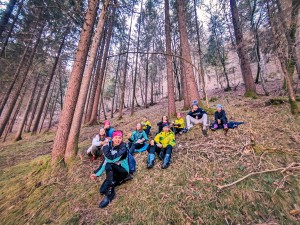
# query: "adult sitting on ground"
{"type": "Point", "coordinates": [116, 167]}
{"type": "Point", "coordinates": [137, 138]}
{"type": "Point", "coordinates": [197, 116]}
{"type": "Point", "coordinates": [163, 145]}
{"type": "Point", "coordinates": [95, 150]}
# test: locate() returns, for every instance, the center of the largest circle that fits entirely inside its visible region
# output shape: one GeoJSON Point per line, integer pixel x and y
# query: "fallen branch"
{"type": "Point", "coordinates": [292, 166]}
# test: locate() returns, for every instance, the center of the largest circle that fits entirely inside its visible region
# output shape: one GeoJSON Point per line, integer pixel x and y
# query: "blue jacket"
{"type": "Point", "coordinates": [109, 132]}
{"type": "Point", "coordinates": [116, 155]}
{"type": "Point", "coordinates": [199, 112]}
{"type": "Point", "coordinates": [136, 135]}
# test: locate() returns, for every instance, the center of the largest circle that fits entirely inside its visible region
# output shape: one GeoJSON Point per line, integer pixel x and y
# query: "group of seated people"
{"type": "Point", "coordinates": [117, 154]}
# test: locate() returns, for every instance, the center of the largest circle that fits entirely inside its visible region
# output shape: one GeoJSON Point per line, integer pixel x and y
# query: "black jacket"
{"type": "Point", "coordinates": [199, 112]}
{"type": "Point", "coordinates": [220, 115]}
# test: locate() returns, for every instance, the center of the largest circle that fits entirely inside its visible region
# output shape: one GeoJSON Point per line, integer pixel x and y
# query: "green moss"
{"type": "Point", "coordinates": [213, 99]}
{"type": "Point", "coordinates": [294, 107]}
{"type": "Point", "coordinates": [251, 94]}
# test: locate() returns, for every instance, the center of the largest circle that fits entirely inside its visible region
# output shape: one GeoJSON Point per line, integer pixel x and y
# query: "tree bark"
{"type": "Point", "coordinates": [93, 119]}
{"type": "Point", "coordinates": [115, 87]}
{"type": "Point", "coordinates": [242, 51]}
{"type": "Point", "coordinates": [15, 94]}
{"type": "Point", "coordinates": [96, 80]}
{"type": "Point", "coordinates": [136, 61]}
{"type": "Point", "coordinates": [53, 109]}
{"type": "Point", "coordinates": [125, 69]}
{"type": "Point", "coordinates": [191, 85]}
{"type": "Point", "coordinates": [72, 143]}
{"type": "Point", "coordinates": [147, 80]}
{"type": "Point", "coordinates": [279, 49]}
{"type": "Point", "coordinates": [66, 117]}
{"type": "Point", "coordinates": [170, 79]}
{"type": "Point", "coordinates": [28, 106]}
{"type": "Point", "coordinates": [43, 100]}
{"type": "Point", "coordinates": [202, 73]}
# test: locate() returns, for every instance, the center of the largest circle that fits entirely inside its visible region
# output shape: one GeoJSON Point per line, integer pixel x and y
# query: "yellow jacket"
{"type": "Point", "coordinates": [145, 124]}
{"type": "Point", "coordinates": [179, 123]}
{"type": "Point", "coordinates": [165, 139]}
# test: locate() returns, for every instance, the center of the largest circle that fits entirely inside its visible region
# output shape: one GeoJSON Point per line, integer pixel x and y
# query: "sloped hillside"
{"type": "Point", "coordinates": [188, 192]}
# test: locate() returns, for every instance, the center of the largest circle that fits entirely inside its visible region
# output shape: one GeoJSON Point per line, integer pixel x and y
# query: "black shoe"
{"type": "Point", "coordinates": [150, 165]}
{"type": "Point", "coordinates": [129, 177]}
{"type": "Point", "coordinates": [109, 196]}
{"type": "Point", "coordinates": [165, 166]}
{"type": "Point", "coordinates": [185, 130]}
{"type": "Point", "coordinates": [103, 187]}
{"type": "Point", "coordinates": [204, 132]}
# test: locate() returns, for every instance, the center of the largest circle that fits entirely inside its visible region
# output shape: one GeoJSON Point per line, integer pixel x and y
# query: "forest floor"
{"type": "Point", "coordinates": [188, 192]}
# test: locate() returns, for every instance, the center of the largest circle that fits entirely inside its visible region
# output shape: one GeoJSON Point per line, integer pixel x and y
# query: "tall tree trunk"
{"type": "Point", "coordinates": [15, 94]}
{"type": "Point", "coordinates": [136, 61]}
{"type": "Point", "coordinates": [96, 79]}
{"type": "Point", "coordinates": [53, 109]}
{"type": "Point", "coordinates": [147, 79]}
{"type": "Point", "coordinates": [6, 15]}
{"type": "Point", "coordinates": [28, 106]}
{"type": "Point", "coordinates": [47, 107]}
{"type": "Point", "coordinates": [279, 49]}
{"type": "Point", "coordinates": [35, 106]}
{"type": "Point", "coordinates": [18, 70]}
{"type": "Point", "coordinates": [93, 119]}
{"type": "Point", "coordinates": [186, 102]}
{"type": "Point", "coordinates": [72, 143]}
{"type": "Point", "coordinates": [11, 29]}
{"type": "Point", "coordinates": [66, 117]}
{"type": "Point", "coordinates": [290, 34]}
{"type": "Point", "coordinates": [242, 51]}
{"type": "Point", "coordinates": [170, 79]}
{"type": "Point", "coordinates": [191, 85]}
{"type": "Point", "coordinates": [202, 73]}
{"type": "Point", "coordinates": [115, 87]}
{"type": "Point", "coordinates": [125, 69]}
{"type": "Point", "coordinates": [43, 100]}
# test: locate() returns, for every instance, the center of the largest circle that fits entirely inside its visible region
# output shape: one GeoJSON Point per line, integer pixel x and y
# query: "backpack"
{"type": "Point", "coordinates": [131, 163]}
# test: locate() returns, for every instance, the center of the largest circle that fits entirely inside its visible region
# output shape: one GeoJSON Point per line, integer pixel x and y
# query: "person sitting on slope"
{"type": "Point", "coordinates": [146, 125]}
{"type": "Point", "coordinates": [178, 124]}
{"type": "Point", "coordinates": [195, 116]}
{"type": "Point", "coordinates": [115, 165]}
{"type": "Point", "coordinates": [95, 150]}
{"type": "Point", "coordinates": [163, 144]}
{"type": "Point", "coordinates": [164, 121]}
{"type": "Point", "coordinates": [220, 118]}
{"type": "Point", "coordinates": [137, 138]}
{"type": "Point", "coordinates": [108, 129]}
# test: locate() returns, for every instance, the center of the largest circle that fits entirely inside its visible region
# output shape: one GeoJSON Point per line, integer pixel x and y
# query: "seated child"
{"type": "Point", "coordinates": [162, 144]}
{"type": "Point", "coordinates": [95, 150]}
{"type": "Point", "coordinates": [220, 118]}
{"type": "Point", "coordinates": [146, 125]}
{"type": "Point", "coordinates": [164, 121]}
{"type": "Point", "coordinates": [108, 129]}
{"type": "Point", "coordinates": [115, 166]}
{"type": "Point", "coordinates": [178, 124]}
{"type": "Point", "coordinates": [137, 138]}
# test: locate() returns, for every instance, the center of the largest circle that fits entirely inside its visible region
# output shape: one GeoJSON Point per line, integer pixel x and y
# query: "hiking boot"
{"type": "Point", "coordinates": [166, 162]}
{"type": "Point", "coordinates": [103, 187]}
{"type": "Point", "coordinates": [109, 196]}
{"type": "Point", "coordinates": [204, 132]}
{"type": "Point", "coordinates": [129, 177]}
{"type": "Point", "coordinates": [185, 130]}
{"type": "Point", "coordinates": [225, 126]}
{"type": "Point", "coordinates": [215, 127]}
